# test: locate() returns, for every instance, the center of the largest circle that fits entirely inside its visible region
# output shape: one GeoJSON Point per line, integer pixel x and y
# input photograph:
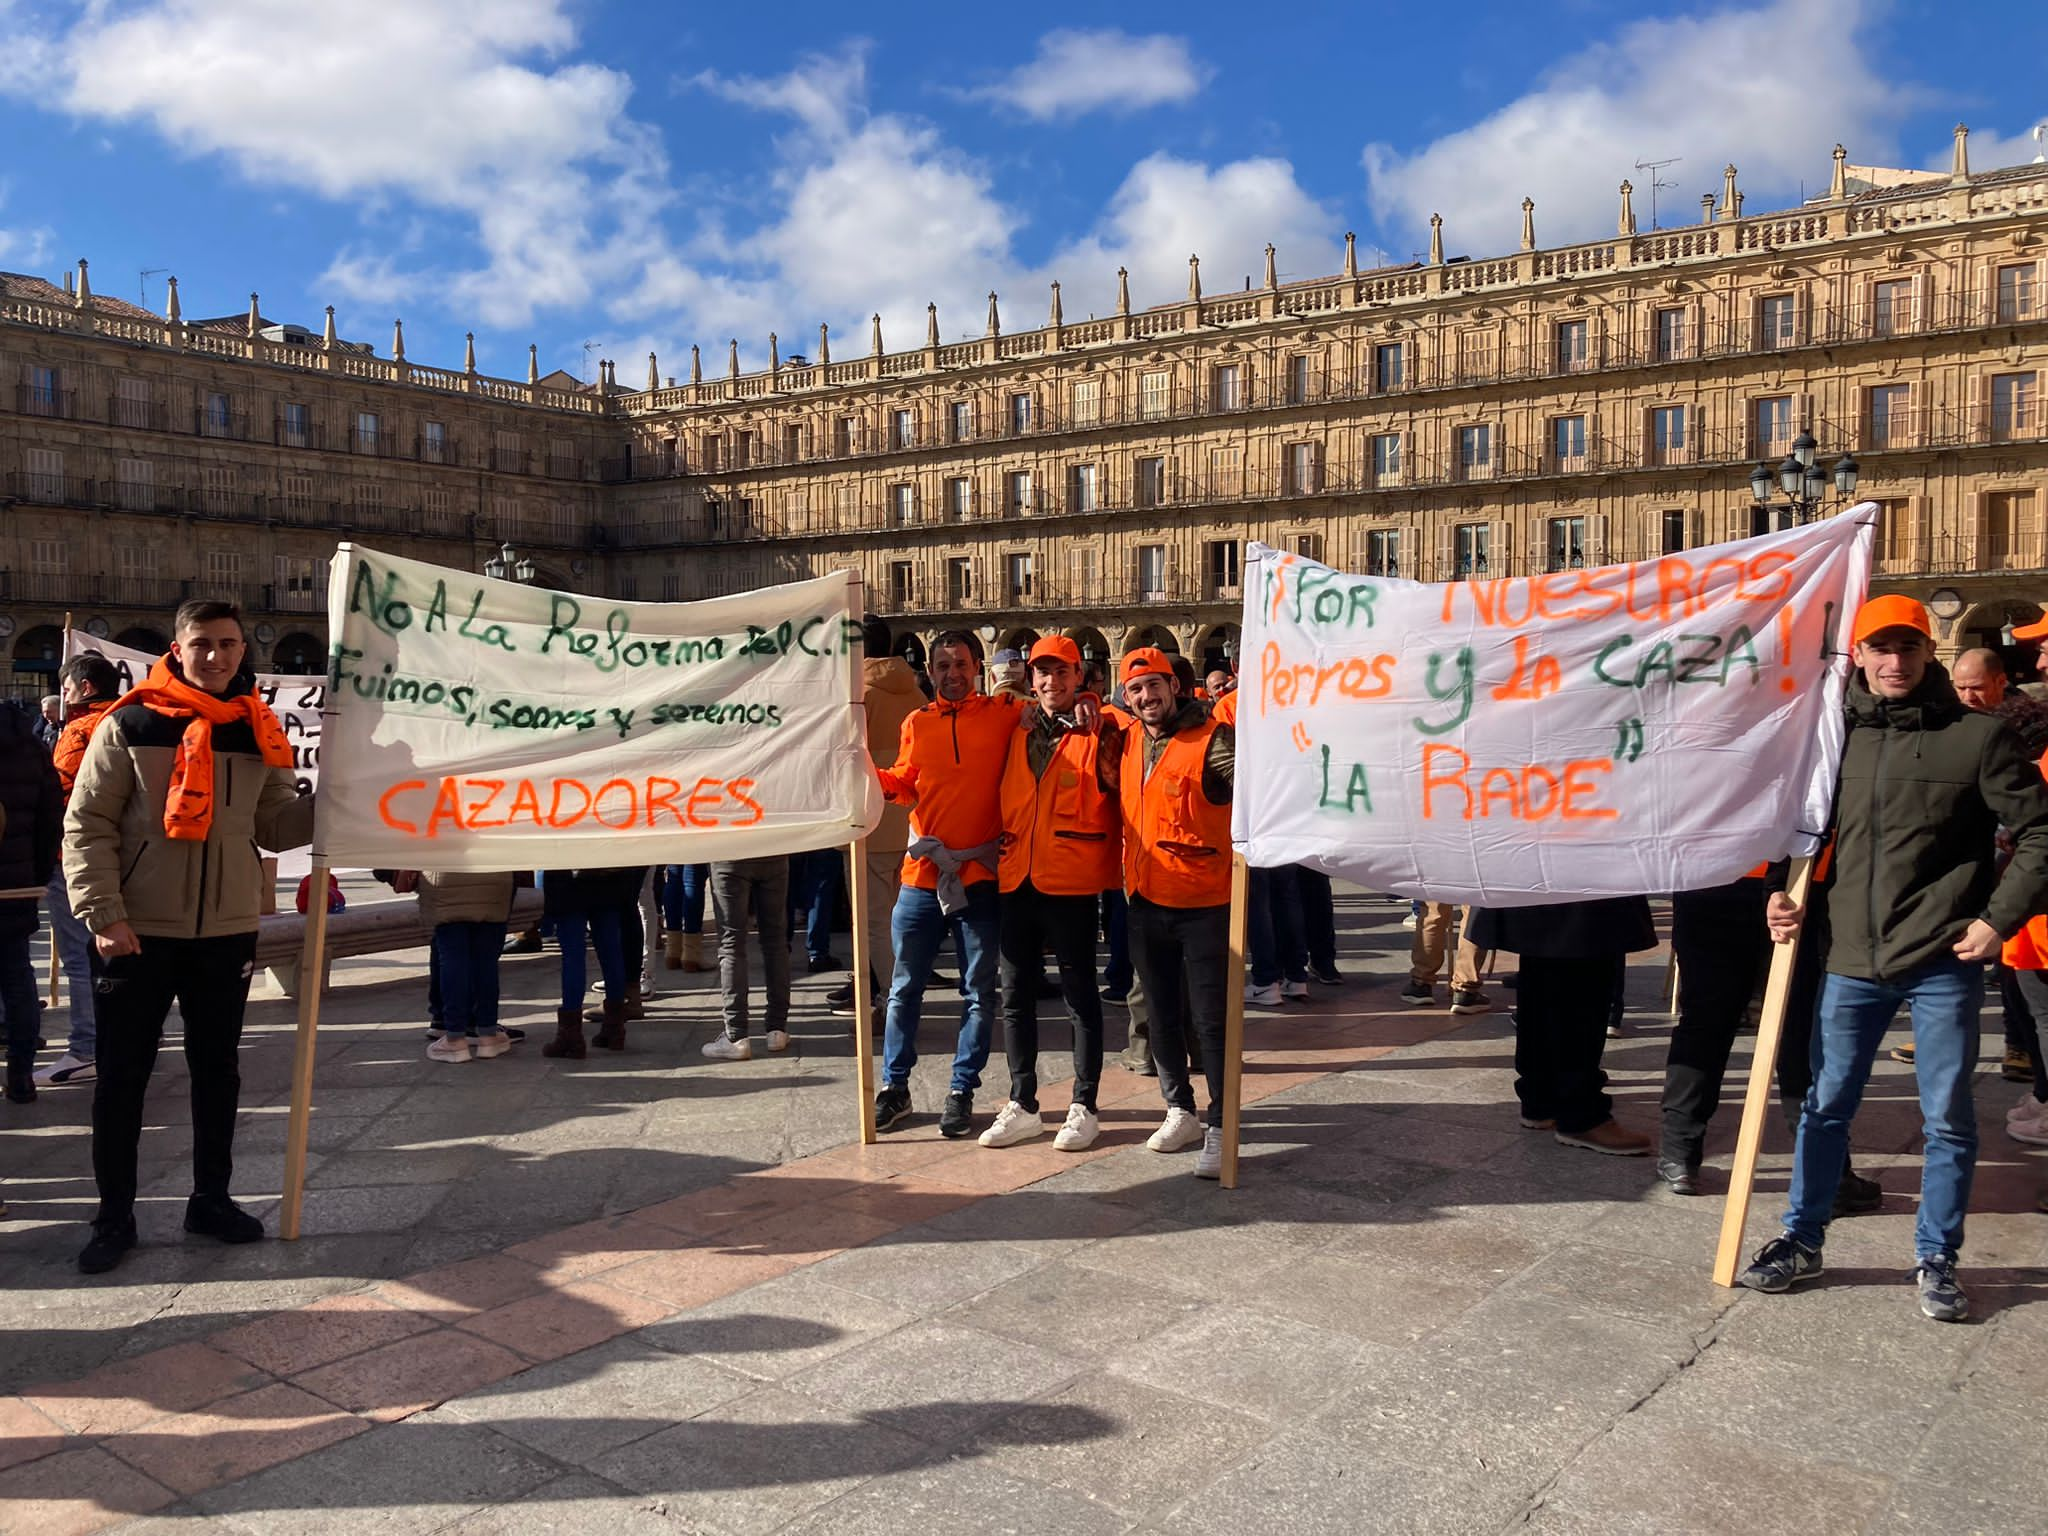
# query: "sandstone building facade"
{"type": "Point", "coordinates": [1099, 477]}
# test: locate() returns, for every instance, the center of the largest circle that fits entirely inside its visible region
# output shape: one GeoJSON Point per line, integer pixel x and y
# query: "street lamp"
{"type": "Point", "coordinates": [509, 565]}
{"type": "Point", "coordinates": [1803, 480]}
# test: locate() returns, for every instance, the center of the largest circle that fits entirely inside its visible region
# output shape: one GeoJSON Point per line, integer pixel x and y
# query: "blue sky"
{"type": "Point", "coordinates": [650, 175]}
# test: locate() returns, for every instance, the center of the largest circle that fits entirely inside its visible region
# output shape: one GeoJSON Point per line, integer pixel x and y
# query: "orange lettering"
{"type": "Point", "coordinates": [1577, 786]}
{"type": "Point", "coordinates": [447, 807]}
{"type": "Point", "coordinates": [1775, 569]}
{"type": "Point", "coordinates": [1500, 784]}
{"type": "Point", "coordinates": [698, 797]}
{"type": "Point", "coordinates": [1455, 779]}
{"type": "Point", "coordinates": [526, 798]}
{"type": "Point", "coordinates": [632, 804]}
{"type": "Point", "coordinates": [555, 808]}
{"type": "Point", "coordinates": [663, 799]}
{"type": "Point", "coordinates": [474, 817]}
{"type": "Point", "coordinates": [384, 812]}
{"type": "Point", "coordinates": [742, 790]}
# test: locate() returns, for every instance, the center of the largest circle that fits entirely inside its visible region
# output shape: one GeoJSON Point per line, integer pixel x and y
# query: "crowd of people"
{"type": "Point", "coordinates": [1039, 808]}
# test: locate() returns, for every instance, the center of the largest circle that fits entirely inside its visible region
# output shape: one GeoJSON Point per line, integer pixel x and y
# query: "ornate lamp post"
{"type": "Point", "coordinates": [509, 565]}
{"type": "Point", "coordinates": [1803, 481]}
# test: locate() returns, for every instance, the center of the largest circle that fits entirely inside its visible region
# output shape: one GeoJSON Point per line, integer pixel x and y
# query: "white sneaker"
{"type": "Point", "coordinates": [778, 1039]}
{"type": "Point", "coordinates": [1294, 991]}
{"type": "Point", "coordinates": [719, 1048]}
{"type": "Point", "coordinates": [1177, 1132]}
{"type": "Point", "coordinates": [1080, 1131]}
{"type": "Point", "coordinates": [2028, 1108]}
{"type": "Point", "coordinates": [1209, 1161]}
{"type": "Point", "coordinates": [65, 1069]}
{"type": "Point", "coordinates": [492, 1044]}
{"type": "Point", "coordinates": [1013, 1123]}
{"type": "Point", "coordinates": [1267, 996]}
{"type": "Point", "coordinates": [450, 1048]}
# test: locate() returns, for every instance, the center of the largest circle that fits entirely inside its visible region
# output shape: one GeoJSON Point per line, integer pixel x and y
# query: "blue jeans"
{"type": "Point", "coordinates": [814, 890]}
{"type": "Point", "coordinates": [682, 897]}
{"type": "Point", "coordinates": [919, 928]}
{"type": "Point", "coordinates": [1944, 997]}
{"type": "Point", "coordinates": [607, 937]}
{"type": "Point", "coordinates": [466, 962]}
{"type": "Point", "coordinates": [74, 951]}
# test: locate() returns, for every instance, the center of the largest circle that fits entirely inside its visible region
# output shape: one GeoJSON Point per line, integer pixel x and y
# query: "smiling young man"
{"type": "Point", "coordinates": [1173, 776]}
{"type": "Point", "coordinates": [188, 773]}
{"type": "Point", "coordinates": [1917, 907]}
{"type": "Point", "coordinates": [1059, 854]}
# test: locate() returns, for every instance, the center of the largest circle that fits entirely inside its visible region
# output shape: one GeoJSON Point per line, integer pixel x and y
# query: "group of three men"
{"type": "Point", "coordinates": [1021, 817]}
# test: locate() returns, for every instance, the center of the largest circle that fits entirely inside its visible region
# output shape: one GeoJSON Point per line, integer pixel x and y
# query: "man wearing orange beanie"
{"type": "Point", "coordinates": [1918, 907]}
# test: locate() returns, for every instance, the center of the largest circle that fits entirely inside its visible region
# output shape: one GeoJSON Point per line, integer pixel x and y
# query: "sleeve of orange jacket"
{"type": "Point", "coordinates": [899, 779]}
{"type": "Point", "coordinates": [70, 749]}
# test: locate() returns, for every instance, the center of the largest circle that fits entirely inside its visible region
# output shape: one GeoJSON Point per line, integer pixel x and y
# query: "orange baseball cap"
{"type": "Point", "coordinates": [1056, 648]}
{"type": "Point", "coordinates": [1892, 611]}
{"type": "Point", "coordinates": [1145, 661]}
{"type": "Point", "coordinates": [2038, 630]}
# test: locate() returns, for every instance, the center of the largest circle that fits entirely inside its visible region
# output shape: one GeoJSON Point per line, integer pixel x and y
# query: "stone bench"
{"type": "Point", "coordinates": [373, 929]}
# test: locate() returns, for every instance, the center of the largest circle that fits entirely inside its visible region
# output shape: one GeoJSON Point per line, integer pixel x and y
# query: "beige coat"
{"type": "Point", "coordinates": [456, 896]}
{"type": "Point", "coordinates": [892, 697]}
{"type": "Point", "coordinates": [121, 867]}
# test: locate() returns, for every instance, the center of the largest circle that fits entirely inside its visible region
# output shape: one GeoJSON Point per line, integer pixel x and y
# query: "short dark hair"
{"type": "Point", "coordinates": [874, 636]}
{"type": "Point", "coordinates": [92, 672]}
{"type": "Point", "coordinates": [205, 610]}
{"type": "Point", "coordinates": [1184, 676]}
{"type": "Point", "coordinates": [966, 639]}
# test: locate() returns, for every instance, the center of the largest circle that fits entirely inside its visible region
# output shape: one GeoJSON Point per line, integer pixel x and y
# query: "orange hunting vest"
{"type": "Point", "coordinates": [1176, 844]}
{"type": "Point", "coordinates": [1063, 828]}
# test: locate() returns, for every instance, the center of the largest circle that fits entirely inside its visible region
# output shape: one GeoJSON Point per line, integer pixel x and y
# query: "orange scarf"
{"type": "Point", "coordinates": [188, 806]}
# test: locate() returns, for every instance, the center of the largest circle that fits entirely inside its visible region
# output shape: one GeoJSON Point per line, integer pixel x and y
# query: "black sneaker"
{"type": "Point", "coordinates": [514, 1035]}
{"type": "Point", "coordinates": [820, 964]}
{"type": "Point", "coordinates": [1678, 1176]}
{"type": "Point", "coordinates": [958, 1118]}
{"type": "Point", "coordinates": [1781, 1264]}
{"type": "Point", "coordinates": [109, 1241]}
{"type": "Point", "coordinates": [840, 996]}
{"type": "Point", "coordinates": [1941, 1297]}
{"type": "Point", "coordinates": [892, 1108]}
{"type": "Point", "coordinates": [1327, 975]}
{"type": "Point", "coordinates": [1415, 995]}
{"type": "Point", "coordinates": [1121, 999]}
{"type": "Point", "coordinates": [218, 1216]}
{"type": "Point", "coordinates": [1856, 1195]}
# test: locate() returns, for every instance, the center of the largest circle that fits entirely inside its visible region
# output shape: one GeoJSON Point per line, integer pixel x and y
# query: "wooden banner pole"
{"type": "Point", "coordinates": [1756, 1102]}
{"type": "Point", "coordinates": [863, 994]}
{"type": "Point", "coordinates": [1233, 1015]}
{"type": "Point", "coordinates": [312, 980]}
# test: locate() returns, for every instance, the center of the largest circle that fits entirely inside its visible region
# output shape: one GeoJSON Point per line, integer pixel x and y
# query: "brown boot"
{"type": "Point", "coordinates": [611, 1035]}
{"type": "Point", "coordinates": [634, 1004]}
{"type": "Point", "coordinates": [672, 951]}
{"type": "Point", "coordinates": [568, 1039]}
{"type": "Point", "coordinates": [693, 952]}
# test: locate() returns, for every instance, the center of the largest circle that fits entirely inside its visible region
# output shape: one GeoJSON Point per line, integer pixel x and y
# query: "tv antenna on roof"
{"type": "Point", "coordinates": [142, 282]}
{"type": "Point", "coordinates": [1656, 181]}
{"type": "Point", "coordinates": [588, 348]}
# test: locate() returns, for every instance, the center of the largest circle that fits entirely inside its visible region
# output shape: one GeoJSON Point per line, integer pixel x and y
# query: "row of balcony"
{"type": "Point", "coordinates": [217, 505]}
{"type": "Point", "coordinates": [79, 590]}
{"type": "Point", "coordinates": [282, 431]}
{"type": "Point", "coordinates": [1399, 371]}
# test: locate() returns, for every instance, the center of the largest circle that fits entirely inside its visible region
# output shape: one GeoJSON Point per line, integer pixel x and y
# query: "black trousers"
{"type": "Point", "coordinates": [209, 981]}
{"type": "Point", "coordinates": [1031, 921]}
{"type": "Point", "coordinates": [1318, 917]}
{"type": "Point", "coordinates": [1560, 1035]}
{"type": "Point", "coordinates": [1180, 954]}
{"type": "Point", "coordinates": [1724, 953]}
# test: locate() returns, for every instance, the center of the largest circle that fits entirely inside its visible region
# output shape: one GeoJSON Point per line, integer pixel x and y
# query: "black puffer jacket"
{"type": "Point", "coordinates": [1568, 930]}
{"type": "Point", "coordinates": [34, 833]}
{"type": "Point", "coordinates": [1925, 786]}
{"type": "Point", "coordinates": [566, 892]}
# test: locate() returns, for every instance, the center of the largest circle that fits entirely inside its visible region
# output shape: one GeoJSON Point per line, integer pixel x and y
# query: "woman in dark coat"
{"type": "Point", "coordinates": [32, 804]}
{"type": "Point", "coordinates": [581, 901]}
{"type": "Point", "coordinates": [1572, 956]}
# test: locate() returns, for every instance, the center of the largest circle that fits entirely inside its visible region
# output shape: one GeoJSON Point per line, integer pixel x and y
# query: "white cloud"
{"type": "Point", "coordinates": [458, 107]}
{"type": "Point", "coordinates": [1993, 151]}
{"type": "Point", "coordinates": [1076, 72]}
{"type": "Point", "coordinates": [1709, 88]}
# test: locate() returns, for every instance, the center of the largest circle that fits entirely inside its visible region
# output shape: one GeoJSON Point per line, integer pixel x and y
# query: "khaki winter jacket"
{"type": "Point", "coordinates": [456, 896]}
{"type": "Point", "coordinates": [121, 867]}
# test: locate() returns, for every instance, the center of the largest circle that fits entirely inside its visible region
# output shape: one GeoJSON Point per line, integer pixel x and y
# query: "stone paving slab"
{"type": "Point", "coordinates": [1464, 1327]}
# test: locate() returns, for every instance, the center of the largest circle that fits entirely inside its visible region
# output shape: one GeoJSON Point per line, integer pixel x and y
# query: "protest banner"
{"type": "Point", "coordinates": [296, 701]}
{"type": "Point", "coordinates": [1637, 728]}
{"type": "Point", "coordinates": [1623, 730]}
{"type": "Point", "coordinates": [478, 724]}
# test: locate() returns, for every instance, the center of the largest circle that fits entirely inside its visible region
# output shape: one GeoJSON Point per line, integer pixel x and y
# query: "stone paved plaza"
{"type": "Point", "coordinates": [647, 1294]}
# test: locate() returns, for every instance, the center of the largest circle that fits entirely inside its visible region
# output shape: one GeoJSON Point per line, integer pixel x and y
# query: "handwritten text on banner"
{"type": "Point", "coordinates": [480, 724]}
{"type": "Point", "coordinates": [1659, 726]}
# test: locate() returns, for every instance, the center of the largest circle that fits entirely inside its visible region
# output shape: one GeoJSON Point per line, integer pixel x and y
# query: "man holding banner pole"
{"type": "Point", "coordinates": [1918, 908]}
{"type": "Point", "coordinates": [1174, 776]}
